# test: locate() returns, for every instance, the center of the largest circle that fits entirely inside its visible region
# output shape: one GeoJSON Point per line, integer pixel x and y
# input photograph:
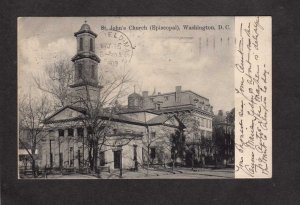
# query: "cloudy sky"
{"type": "Point", "coordinates": [198, 60]}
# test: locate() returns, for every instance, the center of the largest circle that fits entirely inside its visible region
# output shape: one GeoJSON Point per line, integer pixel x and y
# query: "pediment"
{"type": "Point", "coordinates": [65, 114]}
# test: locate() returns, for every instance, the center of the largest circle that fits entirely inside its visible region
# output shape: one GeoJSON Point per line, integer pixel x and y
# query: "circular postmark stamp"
{"type": "Point", "coordinates": [115, 49]}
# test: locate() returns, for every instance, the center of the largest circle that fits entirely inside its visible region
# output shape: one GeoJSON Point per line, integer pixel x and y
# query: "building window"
{"type": "Point", "coordinates": [152, 135]}
{"type": "Point", "coordinates": [61, 133]}
{"type": "Point", "coordinates": [152, 152]}
{"type": "Point", "coordinates": [80, 132]}
{"type": "Point", "coordinates": [91, 45]}
{"type": "Point", "coordinates": [80, 44]}
{"type": "Point", "coordinates": [166, 98]}
{"type": "Point", "coordinates": [202, 122]}
{"type": "Point", "coordinates": [158, 106]}
{"type": "Point", "coordinates": [70, 132]}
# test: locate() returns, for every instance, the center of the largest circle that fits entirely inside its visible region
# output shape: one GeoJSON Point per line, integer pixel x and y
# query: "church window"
{"type": "Point", "coordinates": [70, 132]}
{"type": "Point", "coordinates": [152, 153]}
{"type": "Point", "coordinates": [80, 44]}
{"type": "Point", "coordinates": [80, 132]}
{"type": "Point", "coordinates": [166, 98]}
{"type": "Point", "coordinates": [91, 45]}
{"type": "Point", "coordinates": [61, 133]}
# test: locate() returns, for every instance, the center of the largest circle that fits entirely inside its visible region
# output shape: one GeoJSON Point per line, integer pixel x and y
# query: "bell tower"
{"type": "Point", "coordinates": [86, 84]}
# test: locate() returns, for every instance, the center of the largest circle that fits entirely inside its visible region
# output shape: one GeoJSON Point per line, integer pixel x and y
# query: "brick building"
{"type": "Point", "coordinates": [192, 109]}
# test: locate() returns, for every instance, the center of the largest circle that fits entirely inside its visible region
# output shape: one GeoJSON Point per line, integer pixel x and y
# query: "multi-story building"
{"type": "Point", "coordinates": [223, 129]}
{"type": "Point", "coordinates": [194, 111]}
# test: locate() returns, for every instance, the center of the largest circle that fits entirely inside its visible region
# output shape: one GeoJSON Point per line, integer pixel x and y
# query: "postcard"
{"type": "Point", "coordinates": [144, 97]}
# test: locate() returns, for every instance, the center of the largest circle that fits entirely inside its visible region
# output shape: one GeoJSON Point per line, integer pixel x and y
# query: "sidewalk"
{"type": "Point", "coordinates": [162, 173]}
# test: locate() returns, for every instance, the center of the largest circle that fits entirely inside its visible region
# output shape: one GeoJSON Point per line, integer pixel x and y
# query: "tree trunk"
{"type": "Point", "coordinates": [95, 158]}
{"type": "Point", "coordinates": [33, 168]}
{"type": "Point", "coordinates": [33, 162]}
{"type": "Point", "coordinates": [91, 161]}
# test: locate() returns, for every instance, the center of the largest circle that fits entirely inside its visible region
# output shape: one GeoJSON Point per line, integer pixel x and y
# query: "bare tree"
{"type": "Point", "coordinates": [99, 115]}
{"type": "Point", "coordinates": [193, 133]}
{"type": "Point", "coordinates": [32, 113]}
{"type": "Point", "coordinates": [56, 81]}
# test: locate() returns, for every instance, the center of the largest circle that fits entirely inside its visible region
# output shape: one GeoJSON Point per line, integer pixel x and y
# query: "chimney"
{"type": "Point", "coordinates": [177, 93]}
{"type": "Point", "coordinates": [145, 94]}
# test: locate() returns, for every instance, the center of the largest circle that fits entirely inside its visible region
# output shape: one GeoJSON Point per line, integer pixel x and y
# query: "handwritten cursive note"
{"type": "Point", "coordinates": [253, 97]}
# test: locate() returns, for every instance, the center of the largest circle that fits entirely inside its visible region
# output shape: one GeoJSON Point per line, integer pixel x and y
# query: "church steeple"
{"type": "Point", "coordinates": [85, 60]}
{"type": "Point", "coordinates": [86, 84]}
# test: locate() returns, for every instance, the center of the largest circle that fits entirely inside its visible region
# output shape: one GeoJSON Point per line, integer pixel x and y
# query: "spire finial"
{"type": "Point", "coordinates": [134, 88]}
{"type": "Point", "coordinates": [85, 21]}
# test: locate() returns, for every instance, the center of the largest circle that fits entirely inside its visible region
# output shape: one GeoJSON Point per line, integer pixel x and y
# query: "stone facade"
{"type": "Point", "coordinates": [134, 133]}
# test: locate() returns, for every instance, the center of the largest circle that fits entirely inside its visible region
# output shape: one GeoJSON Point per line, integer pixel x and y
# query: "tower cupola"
{"type": "Point", "coordinates": [85, 60]}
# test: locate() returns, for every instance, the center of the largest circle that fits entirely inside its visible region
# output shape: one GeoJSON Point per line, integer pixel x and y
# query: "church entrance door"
{"type": "Point", "coordinates": [117, 158]}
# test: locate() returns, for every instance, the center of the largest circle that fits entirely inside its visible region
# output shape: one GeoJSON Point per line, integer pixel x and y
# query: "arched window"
{"type": "Point", "coordinates": [91, 45]}
{"type": "Point", "coordinates": [80, 44]}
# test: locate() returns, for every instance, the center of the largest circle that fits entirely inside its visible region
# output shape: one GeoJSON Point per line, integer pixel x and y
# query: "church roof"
{"type": "Point", "coordinates": [157, 120]}
{"type": "Point", "coordinates": [160, 119]}
{"type": "Point", "coordinates": [85, 28]}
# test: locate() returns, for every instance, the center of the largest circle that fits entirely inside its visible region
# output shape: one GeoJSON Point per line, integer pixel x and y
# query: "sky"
{"type": "Point", "coordinates": [198, 60]}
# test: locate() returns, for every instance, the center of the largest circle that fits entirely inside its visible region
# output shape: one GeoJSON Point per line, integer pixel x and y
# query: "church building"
{"type": "Point", "coordinates": [130, 139]}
